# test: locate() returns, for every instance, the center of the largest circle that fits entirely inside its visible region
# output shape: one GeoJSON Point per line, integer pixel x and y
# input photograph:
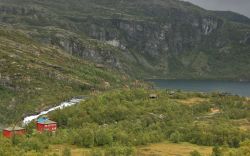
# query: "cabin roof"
{"type": "Point", "coordinates": [16, 128]}
{"type": "Point", "coordinates": [42, 119]}
{"type": "Point", "coordinates": [47, 122]}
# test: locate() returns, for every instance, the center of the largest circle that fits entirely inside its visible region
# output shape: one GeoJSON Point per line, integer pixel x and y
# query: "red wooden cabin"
{"type": "Point", "coordinates": [46, 125]}
{"type": "Point", "coordinates": [10, 131]}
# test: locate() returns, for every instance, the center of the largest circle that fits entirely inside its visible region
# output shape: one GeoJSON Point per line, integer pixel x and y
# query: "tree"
{"type": "Point", "coordinates": [103, 137]}
{"type": "Point", "coordinates": [175, 137]}
{"type": "Point", "coordinates": [86, 137]}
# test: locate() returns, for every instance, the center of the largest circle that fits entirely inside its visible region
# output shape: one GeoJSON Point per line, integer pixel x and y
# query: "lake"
{"type": "Point", "coordinates": [233, 87]}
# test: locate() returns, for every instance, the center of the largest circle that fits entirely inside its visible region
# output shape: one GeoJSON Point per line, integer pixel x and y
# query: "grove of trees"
{"type": "Point", "coordinates": [119, 120]}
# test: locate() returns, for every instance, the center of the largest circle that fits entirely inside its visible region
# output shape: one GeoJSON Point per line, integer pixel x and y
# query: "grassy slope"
{"type": "Point", "coordinates": [34, 76]}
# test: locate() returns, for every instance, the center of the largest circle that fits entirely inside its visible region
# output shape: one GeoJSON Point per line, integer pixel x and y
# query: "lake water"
{"type": "Point", "coordinates": [233, 87]}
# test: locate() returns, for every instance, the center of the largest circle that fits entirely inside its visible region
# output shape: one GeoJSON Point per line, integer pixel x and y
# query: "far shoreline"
{"type": "Point", "coordinates": [230, 87]}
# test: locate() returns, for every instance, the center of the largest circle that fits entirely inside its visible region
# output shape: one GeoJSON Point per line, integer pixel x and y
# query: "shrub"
{"type": "Point", "coordinates": [217, 151]}
{"type": "Point", "coordinates": [96, 152]}
{"type": "Point", "coordinates": [33, 144]}
{"type": "Point", "coordinates": [103, 137]}
{"type": "Point", "coordinates": [119, 150]}
{"type": "Point", "coordinates": [86, 137]}
{"type": "Point", "coordinates": [66, 152]}
{"type": "Point", "coordinates": [175, 137]}
{"type": "Point", "coordinates": [195, 153]}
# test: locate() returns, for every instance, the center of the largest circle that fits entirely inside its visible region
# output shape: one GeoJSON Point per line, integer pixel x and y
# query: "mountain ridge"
{"type": "Point", "coordinates": [162, 39]}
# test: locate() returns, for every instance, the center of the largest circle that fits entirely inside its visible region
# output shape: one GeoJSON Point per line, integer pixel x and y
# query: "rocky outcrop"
{"type": "Point", "coordinates": [80, 49]}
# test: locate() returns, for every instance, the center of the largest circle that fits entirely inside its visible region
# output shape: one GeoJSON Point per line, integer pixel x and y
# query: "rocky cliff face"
{"type": "Point", "coordinates": [167, 39]}
{"type": "Point", "coordinates": [75, 47]}
{"type": "Point", "coordinates": [153, 38]}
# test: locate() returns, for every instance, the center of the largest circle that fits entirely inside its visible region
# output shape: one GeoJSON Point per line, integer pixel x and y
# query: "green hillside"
{"type": "Point", "coordinates": [34, 76]}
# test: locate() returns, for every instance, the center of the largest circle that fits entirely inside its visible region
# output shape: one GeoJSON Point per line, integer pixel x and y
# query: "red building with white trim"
{"type": "Point", "coordinates": [10, 131]}
{"type": "Point", "coordinates": [44, 124]}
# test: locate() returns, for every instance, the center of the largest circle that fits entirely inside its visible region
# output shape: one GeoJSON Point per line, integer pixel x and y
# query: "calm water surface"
{"type": "Point", "coordinates": [233, 87]}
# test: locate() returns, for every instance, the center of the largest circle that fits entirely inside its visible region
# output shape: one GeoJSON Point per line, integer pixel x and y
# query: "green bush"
{"type": "Point", "coordinates": [85, 137]}
{"type": "Point", "coordinates": [195, 153]}
{"type": "Point", "coordinates": [66, 152]}
{"type": "Point", "coordinates": [175, 137]}
{"type": "Point", "coordinates": [217, 151]}
{"type": "Point", "coordinates": [103, 137]}
{"type": "Point", "coordinates": [33, 144]}
{"type": "Point", "coordinates": [119, 151]}
{"type": "Point", "coordinates": [96, 152]}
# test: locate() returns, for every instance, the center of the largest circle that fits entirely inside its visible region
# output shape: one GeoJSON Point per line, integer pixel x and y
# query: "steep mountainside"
{"type": "Point", "coordinates": [145, 38]}
{"type": "Point", "coordinates": [34, 76]}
